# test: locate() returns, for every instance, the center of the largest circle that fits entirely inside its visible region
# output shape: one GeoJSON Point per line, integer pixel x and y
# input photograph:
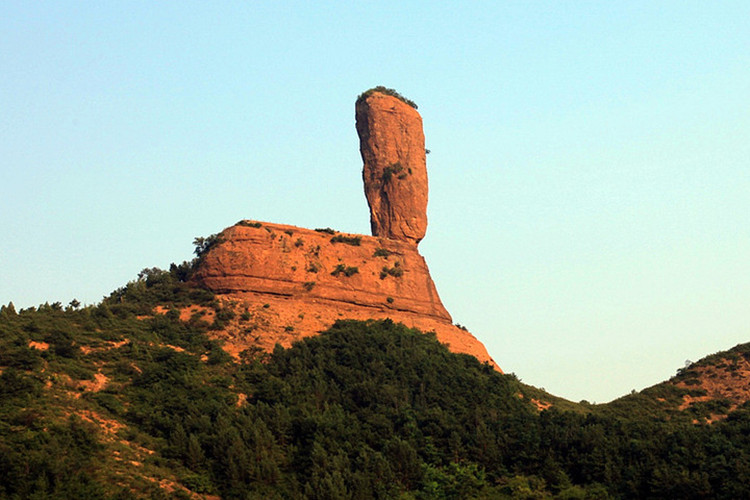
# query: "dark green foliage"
{"type": "Point", "coordinates": [9, 310]}
{"type": "Point", "coordinates": [345, 270]}
{"type": "Point", "coordinates": [154, 287]}
{"type": "Point", "coordinates": [374, 394]}
{"type": "Point", "coordinates": [326, 230]}
{"type": "Point", "coordinates": [365, 410]}
{"type": "Point", "coordinates": [248, 223]}
{"type": "Point", "coordinates": [391, 170]}
{"type": "Point", "coordinates": [396, 271]}
{"type": "Point", "coordinates": [51, 463]}
{"type": "Point", "coordinates": [381, 252]}
{"type": "Point", "coordinates": [349, 240]}
{"type": "Point", "coordinates": [387, 91]}
{"type": "Point", "coordinates": [203, 245]}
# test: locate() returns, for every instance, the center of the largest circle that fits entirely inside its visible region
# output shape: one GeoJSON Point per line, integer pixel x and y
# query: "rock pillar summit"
{"type": "Point", "coordinates": [285, 282]}
{"type": "Point", "coordinates": [391, 142]}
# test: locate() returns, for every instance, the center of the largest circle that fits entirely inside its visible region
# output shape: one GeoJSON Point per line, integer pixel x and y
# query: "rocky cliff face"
{"type": "Point", "coordinates": [285, 282]}
{"type": "Point", "coordinates": [326, 265]}
{"type": "Point", "coordinates": [289, 282]}
{"type": "Point", "coordinates": [391, 142]}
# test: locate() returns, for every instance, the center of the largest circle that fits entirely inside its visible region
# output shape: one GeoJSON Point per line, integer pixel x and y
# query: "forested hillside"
{"type": "Point", "coordinates": [125, 399]}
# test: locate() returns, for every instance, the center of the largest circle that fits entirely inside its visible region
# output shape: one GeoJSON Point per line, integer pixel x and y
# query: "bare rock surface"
{"type": "Point", "coordinates": [292, 282]}
{"type": "Point", "coordinates": [391, 142]}
{"type": "Point", "coordinates": [286, 282]}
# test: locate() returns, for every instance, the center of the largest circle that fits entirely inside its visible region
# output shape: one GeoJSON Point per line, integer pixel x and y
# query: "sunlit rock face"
{"type": "Point", "coordinates": [286, 282]}
{"type": "Point", "coordinates": [391, 142]}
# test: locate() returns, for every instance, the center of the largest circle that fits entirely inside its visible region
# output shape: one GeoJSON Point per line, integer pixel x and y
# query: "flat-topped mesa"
{"type": "Point", "coordinates": [323, 265]}
{"type": "Point", "coordinates": [293, 282]}
{"type": "Point", "coordinates": [391, 142]}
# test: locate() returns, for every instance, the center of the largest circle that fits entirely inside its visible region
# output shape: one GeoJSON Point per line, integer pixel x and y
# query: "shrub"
{"type": "Point", "coordinates": [345, 270]}
{"type": "Point", "coordinates": [381, 252]}
{"type": "Point", "coordinates": [387, 91]}
{"type": "Point", "coordinates": [203, 245]}
{"type": "Point", "coordinates": [248, 223]}
{"type": "Point", "coordinates": [394, 169]}
{"type": "Point", "coordinates": [396, 271]}
{"type": "Point", "coordinates": [349, 240]}
{"type": "Point", "coordinates": [308, 285]}
{"type": "Point", "coordinates": [326, 230]}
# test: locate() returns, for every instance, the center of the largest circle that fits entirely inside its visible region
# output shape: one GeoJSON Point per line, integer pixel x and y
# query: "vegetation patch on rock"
{"type": "Point", "coordinates": [387, 91]}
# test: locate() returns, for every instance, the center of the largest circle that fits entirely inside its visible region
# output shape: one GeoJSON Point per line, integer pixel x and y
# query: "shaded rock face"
{"type": "Point", "coordinates": [292, 282]}
{"type": "Point", "coordinates": [391, 142]}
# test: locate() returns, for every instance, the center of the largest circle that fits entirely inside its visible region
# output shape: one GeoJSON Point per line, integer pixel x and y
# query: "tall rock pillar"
{"type": "Point", "coordinates": [391, 142]}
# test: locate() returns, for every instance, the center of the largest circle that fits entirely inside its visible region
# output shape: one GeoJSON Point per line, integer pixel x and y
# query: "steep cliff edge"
{"type": "Point", "coordinates": [289, 282]}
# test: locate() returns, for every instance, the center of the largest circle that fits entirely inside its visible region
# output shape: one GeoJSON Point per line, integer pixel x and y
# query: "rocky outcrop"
{"type": "Point", "coordinates": [301, 263]}
{"type": "Point", "coordinates": [391, 142]}
{"type": "Point", "coordinates": [285, 282]}
{"type": "Point", "coordinates": [289, 283]}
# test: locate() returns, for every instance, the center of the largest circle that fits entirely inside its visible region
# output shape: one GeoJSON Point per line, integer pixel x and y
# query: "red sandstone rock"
{"type": "Point", "coordinates": [300, 263]}
{"type": "Point", "coordinates": [287, 283]}
{"type": "Point", "coordinates": [391, 142]}
{"type": "Point", "coordinates": [286, 279]}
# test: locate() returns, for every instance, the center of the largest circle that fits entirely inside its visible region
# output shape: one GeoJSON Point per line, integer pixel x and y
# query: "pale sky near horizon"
{"type": "Point", "coordinates": [589, 180]}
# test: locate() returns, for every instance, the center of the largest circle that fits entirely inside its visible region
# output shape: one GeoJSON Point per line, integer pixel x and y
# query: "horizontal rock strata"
{"type": "Point", "coordinates": [295, 282]}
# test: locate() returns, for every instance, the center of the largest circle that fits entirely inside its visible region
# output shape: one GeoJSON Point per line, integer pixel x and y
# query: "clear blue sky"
{"type": "Point", "coordinates": [589, 176]}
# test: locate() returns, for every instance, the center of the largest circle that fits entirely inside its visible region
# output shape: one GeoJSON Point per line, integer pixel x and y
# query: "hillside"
{"type": "Point", "coordinates": [126, 399]}
{"type": "Point", "coordinates": [285, 362]}
{"type": "Point", "coordinates": [285, 283]}
{"type": "Point", "coordinates": [706, 391]}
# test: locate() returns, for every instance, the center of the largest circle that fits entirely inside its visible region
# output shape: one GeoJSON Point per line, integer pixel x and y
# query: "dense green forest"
{"type": "Point", "coordinates": [365, 410]}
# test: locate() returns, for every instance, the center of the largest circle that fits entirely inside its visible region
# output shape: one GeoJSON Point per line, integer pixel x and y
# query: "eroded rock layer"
{"type": "Point", "coordinates": [391, 142]}
{"type": "Point", "coordinates": [291, 282]}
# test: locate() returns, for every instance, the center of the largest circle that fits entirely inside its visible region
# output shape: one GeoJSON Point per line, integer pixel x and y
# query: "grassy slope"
{"type": "Point", "coordinates": [703, 392]}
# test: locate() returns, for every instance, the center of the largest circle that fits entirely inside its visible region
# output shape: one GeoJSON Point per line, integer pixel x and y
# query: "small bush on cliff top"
{"type": "Point", "coordinates": [248, 223]}
{"type": "Point", "coordinates": [349, 240]}
{"type": "Point", "coordinates": [385, 90]}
